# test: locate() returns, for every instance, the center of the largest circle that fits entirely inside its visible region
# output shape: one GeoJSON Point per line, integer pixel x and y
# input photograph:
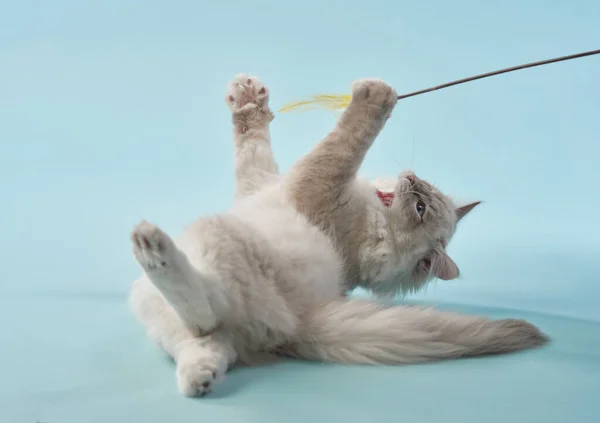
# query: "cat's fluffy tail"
{"type": "Point", "coordinates": [365, 332]}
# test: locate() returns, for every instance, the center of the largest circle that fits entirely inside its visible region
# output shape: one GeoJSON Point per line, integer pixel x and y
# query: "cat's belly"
{"type": "Point", "coordinates": [307, 256]}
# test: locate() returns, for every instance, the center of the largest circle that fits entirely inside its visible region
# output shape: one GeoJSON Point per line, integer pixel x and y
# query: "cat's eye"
{"type": "Point", "coordinates": [420, 207]}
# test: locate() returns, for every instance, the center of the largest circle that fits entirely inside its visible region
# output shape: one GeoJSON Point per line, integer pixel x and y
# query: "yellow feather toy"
{"type": "Point", "coordinates": [341, 101]}
{"type": "Point", "coordinates": [326, 101]}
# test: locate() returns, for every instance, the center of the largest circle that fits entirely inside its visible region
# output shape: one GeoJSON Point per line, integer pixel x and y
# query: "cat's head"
{"type": "Point", "coordinates": [420, 221]}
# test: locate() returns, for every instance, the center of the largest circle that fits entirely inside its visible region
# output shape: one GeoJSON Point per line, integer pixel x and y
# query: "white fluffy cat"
{"type": "Point", "coordinates": [270, 276]}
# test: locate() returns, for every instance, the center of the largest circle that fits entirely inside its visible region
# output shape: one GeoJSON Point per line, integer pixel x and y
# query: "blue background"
{"type": "Point", "coordinates": [112, 111]}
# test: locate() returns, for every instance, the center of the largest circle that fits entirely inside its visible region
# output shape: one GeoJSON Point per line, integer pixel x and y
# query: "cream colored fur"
{"type": "Point", "coordinates": [270, 275]}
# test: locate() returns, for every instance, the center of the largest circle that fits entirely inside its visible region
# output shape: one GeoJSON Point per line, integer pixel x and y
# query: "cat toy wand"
{"type": "Point", "coordinates": [341, 101]}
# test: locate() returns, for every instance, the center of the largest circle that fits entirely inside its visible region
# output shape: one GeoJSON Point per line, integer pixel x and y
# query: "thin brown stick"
{"type": "Point", "coordinates": [498, 72]}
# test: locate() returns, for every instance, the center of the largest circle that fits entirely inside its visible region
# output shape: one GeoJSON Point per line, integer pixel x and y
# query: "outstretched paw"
{"type": "Point", "coordinates": [374, 92]}
{"type": "Point", "coordinates": [246, 92]}
{"type": "Point", "coordinates": [153, 248]}
{"type": "Point", "coordinates": [248, 99]}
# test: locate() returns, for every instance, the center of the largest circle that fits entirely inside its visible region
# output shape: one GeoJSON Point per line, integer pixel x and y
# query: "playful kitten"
{"type": "Point", "coordinates": [270, 275]}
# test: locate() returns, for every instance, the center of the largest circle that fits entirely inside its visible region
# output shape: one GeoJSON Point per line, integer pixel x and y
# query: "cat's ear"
{"type": "Point", "coordinates": [463, 210]}
{"type": "Point", "coordinates": [443, 267]}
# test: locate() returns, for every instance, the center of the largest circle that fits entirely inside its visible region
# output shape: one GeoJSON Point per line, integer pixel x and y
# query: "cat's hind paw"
{"type": "Point", "coordinates": [153, 249]}
{"type": "Point", "coordinates": [198, 372]}
{"type": "Point", "coordinates": [196, 381]}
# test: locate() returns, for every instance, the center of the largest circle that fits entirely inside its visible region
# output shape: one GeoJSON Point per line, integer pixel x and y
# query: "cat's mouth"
{"type": "Point", "coordinates": [385, 197]}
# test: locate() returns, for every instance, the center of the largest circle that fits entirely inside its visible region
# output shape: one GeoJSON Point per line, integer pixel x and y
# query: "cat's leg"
{"type": "Point", "coordinates": [248, 99]}
{"type": "Point", "coordinates": [318, 183]}
{"type": "Point", "coordinates": [162, 324]}
{"type": "Point", "coordinates": [180, 308]}
{"type": "Point", "coordinates": [195, 297]}
{"type": "Point", "coordinates": [201, 360]}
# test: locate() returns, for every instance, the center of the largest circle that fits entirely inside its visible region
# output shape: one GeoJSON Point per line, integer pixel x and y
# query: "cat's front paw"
{"type": "Point", "coordinates": [153, 248]}
{"type": "Point", "coordinates": [374, 92]}
{"type": "Point", "coordinates": [246, 92]}
{"type": "Point", "coordinates": [248, 99]}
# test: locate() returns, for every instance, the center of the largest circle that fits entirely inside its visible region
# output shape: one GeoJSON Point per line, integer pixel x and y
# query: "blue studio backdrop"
{"type": "Point", "coordinates": [113, 111]}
